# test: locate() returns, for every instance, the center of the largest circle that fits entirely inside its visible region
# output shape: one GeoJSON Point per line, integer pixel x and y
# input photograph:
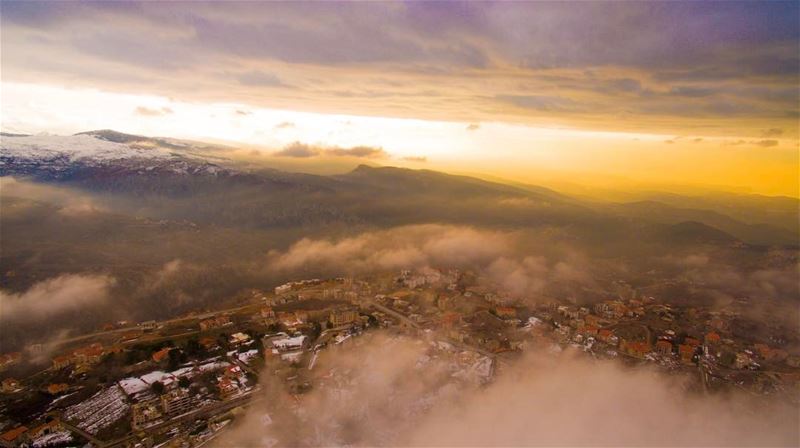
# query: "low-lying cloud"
{"type": "Point", "coordinates": [49, 298]}
{"type": "Point", "coordinates": [388, 391]}
{"type": "Point", "coordinates": [402, 247]}
{"type": "Point", "coordinates": [303, 150]}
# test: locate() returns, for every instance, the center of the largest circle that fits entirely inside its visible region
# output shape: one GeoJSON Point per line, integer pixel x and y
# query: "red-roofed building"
{"type": "Point", "coordinates": [691, 341]}
{"type": "Point", "coordinates": [664, 347]}
{"type": "Point", "coordinates": [60, 362]}
{"type": "Point", "coordinates": [161, 354]}
{"type": "Point", "coordinates": [636, 348]}
{"type": "Point", "coordinates": [506, 312]}
{"type": "Point", "coordinates": [14, 437]}
{"type": "Point", "coordinates": [686, 353]}
{"type": "Point", "coordinates": [9, 359]}
{"type": "Point", "coordinates": [712, 338]}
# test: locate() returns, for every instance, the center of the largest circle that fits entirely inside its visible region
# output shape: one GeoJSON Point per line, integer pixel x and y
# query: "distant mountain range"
{"type": "Point", "coordinates": [178, 179]}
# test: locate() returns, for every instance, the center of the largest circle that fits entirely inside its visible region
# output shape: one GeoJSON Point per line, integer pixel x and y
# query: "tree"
{"type": "Point", "coordinates": [158, 387]}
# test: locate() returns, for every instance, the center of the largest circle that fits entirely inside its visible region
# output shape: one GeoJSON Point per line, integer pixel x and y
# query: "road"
{"type": "Point", "coordinates": [159, 323]}
{"type": "Point", "coordinates": [204, 412]}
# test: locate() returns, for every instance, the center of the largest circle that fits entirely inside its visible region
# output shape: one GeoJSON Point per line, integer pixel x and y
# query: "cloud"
{"type": "Point", "coordinates": [284, 125]}
{"type": "Point", "coordinates": [152, 112]}
{"type": "Point", "coordinates": [402, 247]}
{"type": "Point", "coordinates": [366, 152]}
{"type": "Point", "coordinates": [772, 132]}
{"type": "Point", "coordinates": [52, 297]}
{"type": "Point", "coordinates": [242, 112]}
{"type": "Point", "coordinates": [473, 126]}
{"type": "Point", "coordinates": [297, 149]}
{"type": "Point", "coordinates": [416, 159]}
{"type": "Point", "coordinates": [431, 61]}
{"type": "Point", "coordinates": [303, 150]}
{"type": "Point", "coordinates": [259, 79]}
{"type": "Point", "coordinates": [767, 143]}
{"type": "Point", "coordinates": [381, 390]}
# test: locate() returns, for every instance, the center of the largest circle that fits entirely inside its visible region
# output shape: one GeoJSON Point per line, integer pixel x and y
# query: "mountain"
{"type": "Point", "coordinates": [173, 179]}
{"type": "Point", "coordinates": [657, 212]}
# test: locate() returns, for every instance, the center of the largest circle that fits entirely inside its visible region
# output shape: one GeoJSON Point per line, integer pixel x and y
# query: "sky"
{"type": "Point", "coordinates": [702, 94]}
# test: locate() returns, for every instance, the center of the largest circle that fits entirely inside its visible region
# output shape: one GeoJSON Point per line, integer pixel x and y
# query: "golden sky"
{"type": "Point", "coordinates": [647, 94]}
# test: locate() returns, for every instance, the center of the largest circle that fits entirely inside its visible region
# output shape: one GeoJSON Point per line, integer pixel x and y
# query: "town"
{"type": "Point", "coordinates": [182, 381]}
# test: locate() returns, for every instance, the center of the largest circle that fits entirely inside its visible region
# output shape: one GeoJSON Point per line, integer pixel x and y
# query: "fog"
{"type": "Point", "coordinates": [390, 391]}
{"type": "Point", "coordinates": [52, 297]}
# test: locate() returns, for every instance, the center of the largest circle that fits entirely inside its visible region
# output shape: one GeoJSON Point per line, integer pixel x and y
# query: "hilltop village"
{"type": "Point", "coordinates": [182, 381]}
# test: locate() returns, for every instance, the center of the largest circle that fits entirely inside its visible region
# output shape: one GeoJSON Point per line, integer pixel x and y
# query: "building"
{"type": "Point", "coordinates": [57, 388]}
{"type": "Point", "coordinates": [343, 316]}
{"type": "Point", "coordinates": [89, 354]}
{"type": "Point", "coordinates": [214, 322]}
{"type": "Point", "coordinates": [283, 289]}
{"type": "Point", "coordinates": [506, 312]}
{"type": "Point", "coordinates": [148, 325]}
{"type": "Point", "coordinates": [46, 428]}
{"type": "Point", "coordinates": [144, 413]}
{"type": "Point", "coordinates": [712, 338]}
{"type": "Point", "coordinates": [9, 359]}
{"type": "Point", "coordinates": [686, 353]}
{"type": "Point", "coordinates": [637, 349]}
{"type": "Point", "coordinates": [161, 354]}
{"type": "Point", "coordinates": [14, 437]}
{"type": "Point", "coordinates": [664, 347]}
{"type": "Point", "coordinates": [10, 385]}
{"type": "Point", "coordinates": [63, 361]}
{"type": "Point", "coordinates": [176, 402]}
{"type": "Point", "coordinates": [288, 344]}
{"type": "Point", "coordinates": [239, 339]}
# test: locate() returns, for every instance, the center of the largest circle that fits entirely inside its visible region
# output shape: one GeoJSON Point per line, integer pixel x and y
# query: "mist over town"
{"type": "Point", "coordinates": [301, 224]}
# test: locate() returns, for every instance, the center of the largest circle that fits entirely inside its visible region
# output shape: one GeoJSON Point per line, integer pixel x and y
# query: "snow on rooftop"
{"type": "Point", "coordinates": [157, 375]}
{"type": "Point", "coordinates": [133, 386]}
{"type": "Point", "coordinates": [53, 439]}
{"type": "Point", "coordinates": [296, 341]}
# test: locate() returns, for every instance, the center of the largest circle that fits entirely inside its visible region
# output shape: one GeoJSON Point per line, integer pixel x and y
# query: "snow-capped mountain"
{"type": "Point", "coordinates": [60, 157]}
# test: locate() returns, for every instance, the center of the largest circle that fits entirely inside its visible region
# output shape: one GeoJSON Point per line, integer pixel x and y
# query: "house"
{"type": "Point", "coordinates": [283, 289]}
{"type": "Point", "coordinates": [506, 312]}
{"type": "Point", "coordinates": [45, 429]}
{"type": "Point", "coordinates": [89, 354]}
{"type": "Point", "coordinates": [267, 312]}
{"type": "Point", "coordinates": [691, 341]}
{"type": "Point", "coordinates": [60, 362]}
{"type": "Point", "coordinates": [343, 317]}
{"type": "Point", "coordinates": [664, 347]}
{"type": "Point", "coordinates": [57, 388]}
{"type": "Point", "coordinates": [686, 353]}
{"type": "Point", "coordinates": [176, 401]}
{"type": "Point", "coordinates": [712, 338]}
{"type": "Point", "coordinates": [10, 385]}
{"type": "Point", "coordinates": [148, 325]}
{"type": "Point", "coordinates": [161, 354]}
{"type": "Point", "coordinates": [208, 343]}
{"type": "Point", "coordinates": [608, 337]}
{"type": "Point", "coordinates": [637, 349]}
{"type": "Point", "coordinates": [143, 413]}
{"type": "Point", "coordinates": [14, 437]}
{"type": "Point", "coordinates": [9, 359]}
{"type": "Point", "coordinates": [239, 339]}
{"type": "Point", "coordinates": [214, 322]}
